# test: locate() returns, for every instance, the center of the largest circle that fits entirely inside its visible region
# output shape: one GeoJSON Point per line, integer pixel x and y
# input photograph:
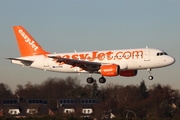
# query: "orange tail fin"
{"type": "Point", "coordinates": [27, 45]}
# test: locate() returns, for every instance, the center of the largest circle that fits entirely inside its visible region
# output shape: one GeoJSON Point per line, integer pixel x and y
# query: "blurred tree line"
{"type": "Point", "coordinates": [156, 101]}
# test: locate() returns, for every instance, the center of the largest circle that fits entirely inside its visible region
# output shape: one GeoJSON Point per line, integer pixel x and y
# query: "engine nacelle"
{"type": "Point", "coordinates": [110, 70]}
{"type": "Point", "coordinates": [128, 73]}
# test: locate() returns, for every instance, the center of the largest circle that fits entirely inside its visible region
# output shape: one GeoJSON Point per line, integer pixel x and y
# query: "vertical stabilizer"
{"type": "Point", "coordinates": [27, 45]}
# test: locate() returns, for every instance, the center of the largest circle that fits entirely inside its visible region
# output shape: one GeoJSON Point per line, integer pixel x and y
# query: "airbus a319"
{"type": "Point", "coordinates": [109, 63]}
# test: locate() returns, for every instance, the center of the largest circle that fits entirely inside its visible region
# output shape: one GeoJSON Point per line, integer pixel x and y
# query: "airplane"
{"type": "Point", "coordinates": [109, 63]}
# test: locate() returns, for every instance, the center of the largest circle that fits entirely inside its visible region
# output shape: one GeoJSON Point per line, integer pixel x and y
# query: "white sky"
{"type": "Point", "coordinates": [87, 25]}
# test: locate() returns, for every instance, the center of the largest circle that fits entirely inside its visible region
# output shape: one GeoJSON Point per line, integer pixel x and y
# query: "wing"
{"type": "Point", "coordinates": [84, 65]}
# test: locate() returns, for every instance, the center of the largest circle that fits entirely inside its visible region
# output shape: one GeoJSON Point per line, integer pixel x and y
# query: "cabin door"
{"type": "Point", "coordinates": [147, 55]}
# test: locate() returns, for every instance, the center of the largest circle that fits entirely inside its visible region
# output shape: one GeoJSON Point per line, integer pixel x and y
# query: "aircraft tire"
{"type": "Point", "coordinates": [102, 80]}
{"type": "Point", "coordinates": [90, 80]}
{"type": "Point", "coordinates": [150, 77]}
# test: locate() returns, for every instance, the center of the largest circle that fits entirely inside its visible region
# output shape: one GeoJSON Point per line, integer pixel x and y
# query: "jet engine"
{"type": "Point", "coordinates": [110, 70]}
{"type": "Point", "coordinates": [128, 73]}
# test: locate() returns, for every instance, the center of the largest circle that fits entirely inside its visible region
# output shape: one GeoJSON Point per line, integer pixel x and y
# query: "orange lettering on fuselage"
{"type": "Point", "coordinates": [109, 55]}
{"type": "Point", "coordinates": [102, 56]}
{"type": "Point", "coordinates": [83, 56]}
{"type": "Point", "coordinates": [118, 54]}
{"type": "Point", "coordinates": [127, 56]}
{"type": "Point", "coordinates": [93, 56]}
{"type": "Point", "coordinates": [75, 56]}
{"type": "Point", "coordinates": [137, 54]}
{"type": "Point", "coordinates": [66, 56]}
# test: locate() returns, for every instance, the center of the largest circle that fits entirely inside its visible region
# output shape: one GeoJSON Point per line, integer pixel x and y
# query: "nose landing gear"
{"type": "Point", "coordinates": [150, 76]}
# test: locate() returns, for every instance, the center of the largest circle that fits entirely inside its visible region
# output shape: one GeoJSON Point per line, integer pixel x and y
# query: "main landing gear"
{"type": "Point", "coordinates": [150, 76]}
{"type": "Point", "coordinates": [91, 80]}
{"type": "Point", "coordinates": [102, 79]}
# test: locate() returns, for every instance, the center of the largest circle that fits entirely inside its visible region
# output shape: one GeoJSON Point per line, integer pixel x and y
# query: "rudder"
{"type": "Point", "coordinates": [27, 45]}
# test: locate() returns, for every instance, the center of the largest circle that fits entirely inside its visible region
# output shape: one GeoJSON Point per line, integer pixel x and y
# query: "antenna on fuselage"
{"type": "Point", "coordinates": [146, 47]}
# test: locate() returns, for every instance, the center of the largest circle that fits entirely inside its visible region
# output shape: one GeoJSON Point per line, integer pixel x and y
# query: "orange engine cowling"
{"type": "Point", "coordinates": [110, 70]}
{"type": "Point", "coordinates": [128, 73]}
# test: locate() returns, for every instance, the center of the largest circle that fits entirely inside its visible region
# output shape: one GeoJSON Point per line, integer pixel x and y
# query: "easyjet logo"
{"type": "Point", "coordinates": [102, 56]}
{"type": "Point", "coordinates": [28, 40]}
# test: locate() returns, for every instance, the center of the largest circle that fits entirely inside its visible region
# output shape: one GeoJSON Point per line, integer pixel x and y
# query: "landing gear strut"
{"type": "Point", "coordinates": [150, 76]}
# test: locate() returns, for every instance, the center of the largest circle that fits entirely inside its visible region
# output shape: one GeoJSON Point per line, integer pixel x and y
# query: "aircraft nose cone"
{"type": "Point", "coordinates": [172, 60]}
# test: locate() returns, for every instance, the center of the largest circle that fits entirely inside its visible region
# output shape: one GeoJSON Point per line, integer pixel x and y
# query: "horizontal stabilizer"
{"type": "Point", "coordinates": [25, 62]}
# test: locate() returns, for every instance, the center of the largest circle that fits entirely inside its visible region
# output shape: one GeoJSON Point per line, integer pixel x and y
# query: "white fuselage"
{"type": "Point", "coordinates": [127, 59]}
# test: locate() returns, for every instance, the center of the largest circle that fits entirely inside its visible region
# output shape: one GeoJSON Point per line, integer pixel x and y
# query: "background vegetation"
{"type": "Point", "coordinates": [155, 102]}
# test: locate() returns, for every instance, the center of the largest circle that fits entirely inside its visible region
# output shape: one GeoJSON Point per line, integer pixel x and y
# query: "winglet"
{"type": "Point", "coordinates": [27, 45]}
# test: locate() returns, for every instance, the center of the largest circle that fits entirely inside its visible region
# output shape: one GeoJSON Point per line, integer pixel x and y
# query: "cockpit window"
{"type": "Point", "coordinates": [161, 53]}
{"type": "Point", "coordinates": [165, 53]}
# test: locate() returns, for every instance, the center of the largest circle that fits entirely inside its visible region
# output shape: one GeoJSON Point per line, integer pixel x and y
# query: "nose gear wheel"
{"type": "Point", "coordinates": [150, 77]}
